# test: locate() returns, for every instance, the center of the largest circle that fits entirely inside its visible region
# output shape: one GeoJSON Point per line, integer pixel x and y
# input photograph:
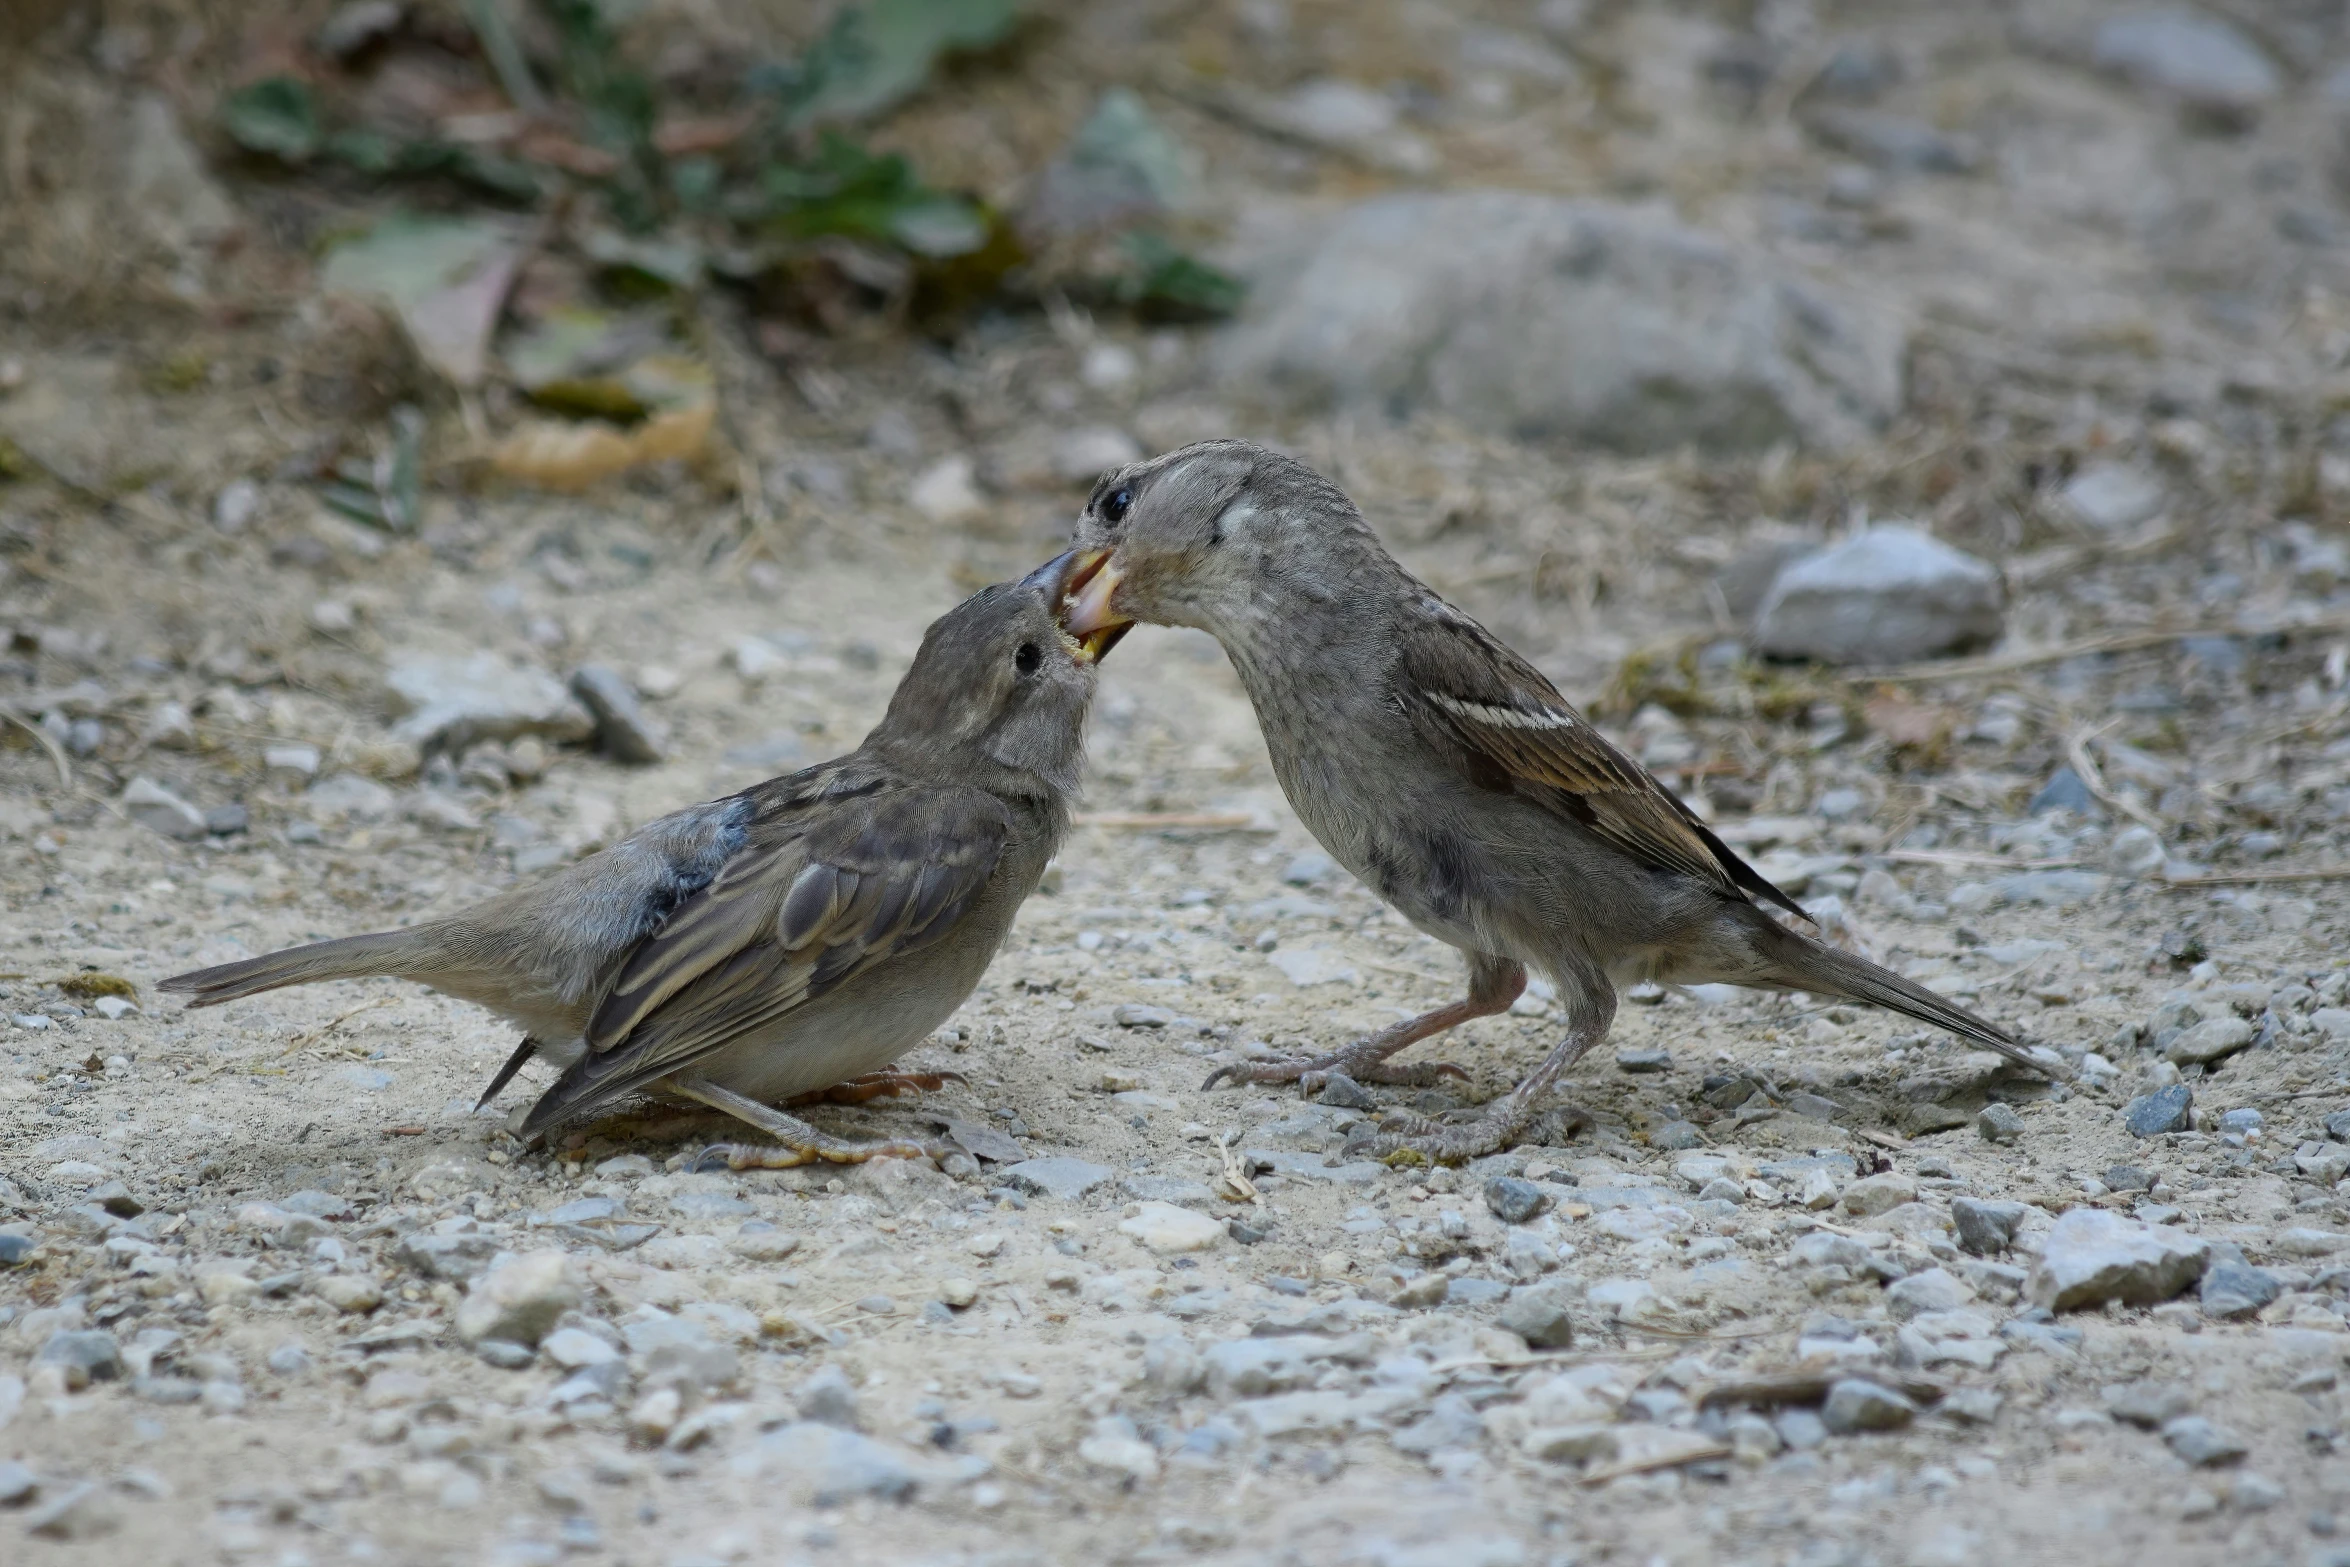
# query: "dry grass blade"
{"type": "Point", "coordinates": [48, 743]}
{"type": "Point", "coordinates": [1961, 857]}
{"type": "Point", "coordinates": [1234, 1185]}
{"type": "Point", "coordinates": [2085, 768]}
{"type": "Point", "coordinates": [303, 1041]}
{"type": "Point", "coordinates": [2259, 878]}
{"type": "Point", "coordinates": [1634, 1466]}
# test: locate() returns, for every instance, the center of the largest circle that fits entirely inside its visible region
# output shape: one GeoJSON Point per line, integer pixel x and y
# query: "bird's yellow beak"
{"type": "Point", "coordinates": [1085, 604]}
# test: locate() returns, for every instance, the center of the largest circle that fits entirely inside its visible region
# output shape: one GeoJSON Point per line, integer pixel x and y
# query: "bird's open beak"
{"type": "Point", "coordinates": [1085, 604]}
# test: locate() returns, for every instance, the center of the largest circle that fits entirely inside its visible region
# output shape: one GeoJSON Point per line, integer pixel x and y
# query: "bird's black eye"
{"type": "Point", "coordinates": [1117, 503]}
{"type": "Point", "coordinates": [1028, 658]}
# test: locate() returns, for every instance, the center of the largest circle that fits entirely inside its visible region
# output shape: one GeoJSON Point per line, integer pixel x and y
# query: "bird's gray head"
{"type": "Point", "coordinates": [1221, 536]}
{"type": "Point", "coordinates": [998, 692]}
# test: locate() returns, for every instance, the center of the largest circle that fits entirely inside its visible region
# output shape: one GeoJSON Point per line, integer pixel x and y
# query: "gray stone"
{"type": "Point", "coordinates": [1584, 321]}
{"type": "Point", "coordinates": [288, 1360]}
{"type": "Point", "coordinates": [2064, 791]}
{"type": "Point", "coordinates": [1879, 1194]}
{"type": "Point", "coordinates": [347, 796]}
{"type": "Point", "coordinates": [1254, 1367]}
{"type": "Point", "coordinates": [2242, 1119]}
{"type": "Point", "coordinates": [1973, 1406]}
{"type": "Point", "coordinates": [159, 810]}
{"type": "Point", "coordinates": [226, 821]}
{"type": "Point", "coordinates": [2236, 1289]}
{"type": "Point", "coordinates": [1540, 1314]}
{"type": "Point", "coordinates": [1676, 1137]}
{"type": "Point", "coordinates": [1934, 1289]}
{"type": "Point", "coordinates": [2091, 1257]}
{"type": "Point", "coordinates": [456, 1258]}
{"type": "Point", "coordinates": [2337, 1125]}
{"type": "Point", "coordinates": [1801, 1429]}
{"type": "Point", "coordinates": [79, 1512]}
{"type": "Point", "coordinates": [1344, 1093]}
{"type": "Point", "coordinates": [1168, 1189]}
{"type": "Point", "coordinates": [1063, 1179]}
{"type": "Point", "coordinates": [1998, 1123]}
{"type": "Point", "coordinates": [1308, 868]}
{"type": "Point", "coordinates": [2146, 1404]}
{"type": "Point", "coordinates": [2200, 60]}
{"type": "Point", "coordinates": [2136, 852]}
{"type": "Point", "coordinates": [2202, 1444]}
{"type": "Point", "coordinates": [679, 1350]}
{"type": "Point", "coordinates": [1130, 1015]}
{"type": "Point", "coordinates": [625, 732]}
{"type": "Point", "coordinates": [447, 702]}
{"type": "Point", "coordinates": [1856, 1404]}
{"type": "Point", "coordinates": [1887, 596]}
{"type": "Point", "coordinates": [1895, 142]}
{"type": "Point", "coordinates": [18, 1484]}
{"type": "Point", "coordinates": [87, 1354]}
{"type": "Point", "coordinates": [504, 1354]}
{"type": "Point", "coordinates": [1632, 1059]}
{"type": "Point", "coordinates": [1472, 1291]}
{"type": "Point", "coordinates": [828, 1398]}
{"type": "Point", "coordinates": [2213, 1039]}
{"type": "Point", "coordinates": [1451, 1422]}
{"type": "Point", "coordinates": [2165, 1110]}
{"type": "Point", "coordinates": [518, 1299]}
{"type": "Point", "coordinates": [1514, 1201]}
{"type": "Point", "coordinates": [2111, 496]}
{"type": "Point", "coordinates": [824, 1466]}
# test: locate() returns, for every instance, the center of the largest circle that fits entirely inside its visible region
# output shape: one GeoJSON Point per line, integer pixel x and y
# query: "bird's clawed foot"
{"type": "Point", "coordinates": [890, 1081]}
{"type": "Point", "coordinates": [819, 1149]}
{"type": "Point", "coordinates": [1312, 1073]}
{"type": "Point", "coordinates": [1407, 1138]}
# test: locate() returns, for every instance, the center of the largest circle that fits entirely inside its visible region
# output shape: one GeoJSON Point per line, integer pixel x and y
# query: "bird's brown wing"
{"type": "Point", "coordinates": [820, 892]}
{"type": "Point", "coordinates": [1508, 726]}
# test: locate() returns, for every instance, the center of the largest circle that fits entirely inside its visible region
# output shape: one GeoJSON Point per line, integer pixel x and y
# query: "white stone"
{"type": "Point", "coordinates": [1308, 966]}
{"type": "Point", "coordinates": [947, 491]}
{"type": "Point", "coordinates": [2111, 496]}
{"type": "Point", "coordinates": [450, 701]}
{"type": "Point", "coordinates": [159, 810]}
{"type": "Point", "coordinates": [2090, 1256]}
{"type": "Point", "coordinates": [1166, 1228]}
{"type": "Point", "coordinates": [1888, 596]}
{"type": "Point", "coordinates": [518, 1299]}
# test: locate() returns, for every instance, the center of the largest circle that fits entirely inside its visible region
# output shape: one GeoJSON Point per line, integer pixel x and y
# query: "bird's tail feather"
{"type": "Point", "coordinates": [1803, 964]}
{"type": "Point", "coordinates": [392, 952]}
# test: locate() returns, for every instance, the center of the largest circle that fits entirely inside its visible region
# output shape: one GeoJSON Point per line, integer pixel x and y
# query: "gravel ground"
{"type": "Point", "coordinates": [256, 1235]}
{"type": "Point", "coordinates": [1780, 1285]}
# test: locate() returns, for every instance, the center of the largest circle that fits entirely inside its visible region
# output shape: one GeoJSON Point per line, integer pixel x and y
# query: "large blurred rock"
{"type": "Point", "coordinates": [1886, 596]}
{"type": "Point", "coordinates": [1543, 317]}
{"type": "Point", "coordinates": [2205, 63]}
{"type": "Point", "coordinates": [448, 702]}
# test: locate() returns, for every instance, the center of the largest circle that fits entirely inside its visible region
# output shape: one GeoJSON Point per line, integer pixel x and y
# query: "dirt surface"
{"type": "Point", "coordinates": [281, 1211]}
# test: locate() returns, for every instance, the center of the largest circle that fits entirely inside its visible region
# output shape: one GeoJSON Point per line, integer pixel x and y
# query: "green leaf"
{"type": "Point", "coordinates": [877, 55]}
{"type": "Point", "coordinates": [1169, 285]}
{"type": "Point", "coordinates": [446, 278]}
{"type": "Point", "coordinates": [274, 116]}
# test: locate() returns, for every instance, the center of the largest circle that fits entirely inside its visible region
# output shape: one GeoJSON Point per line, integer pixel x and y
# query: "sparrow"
{"type": "Point", "coordinates": [1449, 776]}
{"type": "Point", "coordinates": [800, 934]}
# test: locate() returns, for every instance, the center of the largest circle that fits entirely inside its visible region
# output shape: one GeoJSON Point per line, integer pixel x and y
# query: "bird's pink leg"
{"type": "Point", "coordinates": [1406, 1138]}
{"type": "Point", "coordinates": [873, 1085]}
{"type": "Point", "coordinates": [1493, 984]}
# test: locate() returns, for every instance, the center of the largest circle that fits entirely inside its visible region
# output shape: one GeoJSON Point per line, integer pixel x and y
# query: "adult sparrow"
{"type": "Point", "coordinates": [800, 934]}
{"type": "Point", "coordinates": [1447, 774]}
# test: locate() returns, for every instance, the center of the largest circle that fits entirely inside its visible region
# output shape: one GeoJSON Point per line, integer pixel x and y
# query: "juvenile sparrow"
{"type": "Point", "coordinates": [801, 933]}
{"type": "Point", "coordinates": [1444, 771]}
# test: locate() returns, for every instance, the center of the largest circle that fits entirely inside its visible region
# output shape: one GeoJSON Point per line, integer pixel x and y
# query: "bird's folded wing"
{"type": "Point", "coordinates": [810, 901]}
{"type": "Point", "coordinates": [1504, 721]}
